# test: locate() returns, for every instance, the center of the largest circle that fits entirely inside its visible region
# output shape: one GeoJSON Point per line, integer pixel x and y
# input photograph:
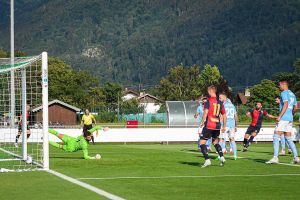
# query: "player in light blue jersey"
{"type": "Point", "coordinates": [199, 114]}
{"type": "Point", "coordinates": [288, 105]}
{"type": "Point", "coordinates": [282, 138]}
{"type": "Point", "coordinates": [231, 125]}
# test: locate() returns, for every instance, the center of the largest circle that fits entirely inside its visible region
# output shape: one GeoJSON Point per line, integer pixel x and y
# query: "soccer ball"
{"type": "Point", "coordinates": [29, 160]}
{"type": "Point", "coordinates": [98, 156]}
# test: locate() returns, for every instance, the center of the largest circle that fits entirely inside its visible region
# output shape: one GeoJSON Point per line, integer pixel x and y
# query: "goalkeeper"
{"type": "Point", "coordinates": [71, 144]}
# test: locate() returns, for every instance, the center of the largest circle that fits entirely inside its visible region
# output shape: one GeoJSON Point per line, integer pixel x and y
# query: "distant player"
{"type": "Point", "coordinates": [211, 121]}
{"type": "Point", "coordinates": [257, 114]}
{"type": "Point", "coordinates": [288, 105]}
{"type": "Point", "coordinates": [199, 114]}
{"type": "Point", "coordinates": [71, 144]}
{"type": "Point", "coordinates": [87, 122]}
{"type": "Point", "coordinates": [231, 125]}
{"type": "Point", "coordinates": [20, 126]}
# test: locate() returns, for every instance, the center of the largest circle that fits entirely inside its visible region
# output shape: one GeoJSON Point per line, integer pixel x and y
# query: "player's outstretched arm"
{"type": "Point", "coordinates": [271, 116]}
{"type": "Point", "coordinates": [86, 154]}
{"type": "Point", "coordinates": [96, 128]}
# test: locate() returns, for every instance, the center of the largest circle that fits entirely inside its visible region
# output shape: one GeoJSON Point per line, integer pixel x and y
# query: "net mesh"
{"type": "Point", "coordinates": [12, 151]}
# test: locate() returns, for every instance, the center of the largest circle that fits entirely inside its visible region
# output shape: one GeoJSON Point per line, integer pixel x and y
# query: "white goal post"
{"type": "Point", "coordinates": [23, 87]}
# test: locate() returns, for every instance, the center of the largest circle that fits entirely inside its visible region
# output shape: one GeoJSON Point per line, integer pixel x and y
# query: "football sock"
{"type": "Point", "coordinates": [204, 151]}
{"type": "Point", "coordinates": [245, 141]}
{"type": "Point", "coordinates": [219, 150]}
{"type": "Point", "coordinates": [282, 141]}
{"type": "Point", "coordinates": [276, 144]}
{"type": "Point", "coordinates": [292, 145]}
{"type": "Point", "coordinates": [17, 138]}
{"type": "Point", "coordinates": [234, 149]}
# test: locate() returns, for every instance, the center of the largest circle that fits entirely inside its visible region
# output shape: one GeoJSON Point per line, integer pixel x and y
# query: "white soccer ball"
{"type": "Point", "coordinates": [29, 160]}
{"type": "Point", "coordinates": [98, 156]}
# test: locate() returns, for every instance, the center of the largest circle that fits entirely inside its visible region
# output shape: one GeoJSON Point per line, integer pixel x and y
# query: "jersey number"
{"type": "Point", "coordinates": [216, 109]}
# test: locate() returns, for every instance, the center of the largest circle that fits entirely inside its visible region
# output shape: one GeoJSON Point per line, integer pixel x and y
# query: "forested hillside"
{"type": "Point", "coordinates": [133, 42]}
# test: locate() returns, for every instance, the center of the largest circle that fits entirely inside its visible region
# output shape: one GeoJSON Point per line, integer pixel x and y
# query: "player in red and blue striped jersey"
{"type": "Point", "coordinates": [257, 114]}
{"type": "Point", "coordinates": [211, 120]}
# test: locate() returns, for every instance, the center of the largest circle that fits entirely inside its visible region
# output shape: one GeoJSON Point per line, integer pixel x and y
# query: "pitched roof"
{"type": "Point", "coordinates": [58, 102]}
{"type": "Point", "coordinates": [130, 92]}
{"type": "Point", "coordinates": [243, 98]}
{"type": "Point", "coordinates": [148, 95]}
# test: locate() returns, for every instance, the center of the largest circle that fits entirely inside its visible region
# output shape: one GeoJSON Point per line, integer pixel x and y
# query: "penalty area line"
{"type": "Point", "coordinates": [86, 186]}
{"type": "Point", "coordinates": [177, 177]}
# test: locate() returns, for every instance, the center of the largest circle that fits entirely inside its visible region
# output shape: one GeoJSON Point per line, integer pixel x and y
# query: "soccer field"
{"type": "Point", "coordinates": [155, 171]}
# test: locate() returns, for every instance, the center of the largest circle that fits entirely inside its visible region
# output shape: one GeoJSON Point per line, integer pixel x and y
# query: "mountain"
{"type": "Point", "coordinates": [137, 41]}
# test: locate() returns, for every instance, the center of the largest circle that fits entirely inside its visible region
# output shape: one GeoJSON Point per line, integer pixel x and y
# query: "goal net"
{"type": "Point", "coordinates": [23, 133]}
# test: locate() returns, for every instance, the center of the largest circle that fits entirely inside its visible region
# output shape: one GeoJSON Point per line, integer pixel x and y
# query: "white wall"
{"type": "Point", "coordinates": [151, 107]}
{"type": "Point", "coordinates": [128, 97]}
{"type": "Point", "coordinates": [138, 135]}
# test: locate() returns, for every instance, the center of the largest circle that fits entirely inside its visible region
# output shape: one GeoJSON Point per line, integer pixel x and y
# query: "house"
{"type": "Point", "coordinates": [242, 97]}
{"type": "Point", "coordinates": [60, 113]}
{"type": "Point", "coordinates": [129, 94]}
{"type": "Point", "coordinates": [150, 102]}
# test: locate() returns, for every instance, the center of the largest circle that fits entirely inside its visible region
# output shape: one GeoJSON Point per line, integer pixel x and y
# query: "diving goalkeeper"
{"type": "Point", "coordinates": [71, 144]}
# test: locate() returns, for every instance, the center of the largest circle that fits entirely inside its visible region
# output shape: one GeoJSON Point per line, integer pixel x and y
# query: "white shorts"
{"type": "Point", "coordinates": [229, 133]}
{"type": "Point", "coordinates": [284, 126]}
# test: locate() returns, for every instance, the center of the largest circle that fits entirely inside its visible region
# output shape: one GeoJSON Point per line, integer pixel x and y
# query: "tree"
{"type": "Point", "coordinates": [266, 92]}
{"type": "Point", "coordinates": [292, 77]}
{"type": "Point", "coordinates": [131, 106]}
{"type": "Point", "coordinates": [112, 92]}
{"type": "Point", "coordinates": [181, 83]}
{"type": "Point", "coordinates": [210, 75]}
{"type": "Point", "coordinates": [69, 85]}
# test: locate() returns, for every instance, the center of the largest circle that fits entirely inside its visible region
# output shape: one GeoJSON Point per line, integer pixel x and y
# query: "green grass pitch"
{"type": "Point", "coordinates": [155, 171]}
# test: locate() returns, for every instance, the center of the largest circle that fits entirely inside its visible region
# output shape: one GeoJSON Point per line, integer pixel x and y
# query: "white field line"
{"type": "Point", "coordinates": [176, 177]}
{"type": "Point", "coordinates": [86, 186]}
{"type": "Point", "coordinates": [287, 164]}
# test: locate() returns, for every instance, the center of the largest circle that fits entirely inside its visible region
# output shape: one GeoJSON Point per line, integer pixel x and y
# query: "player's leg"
{"type": "Point", "coordinates": [292, 145]}
{"type": "Point", "coordinates": [17, 138]}
{"type": "Point", "coordinates": [282, 142]}
{"type": "Point", "coordinates": [206, 134]}
{"type": "Point", "coordinates": [222, 144]}
{"type": "Point", "coordinates": [247, 135]}
{"type": "Point", "coordinates": [254, 133]}
{"type": "Point", "coordinates": [231, 135]}
{"type": "Point", "coordinates": [215, 138]}
{"type": "Point", "coordinates": [276, 138]}
{"type": "Point", "coordinates": [56, 133]}
{"type": "Point", "coordinates": [18, 135]}
{"type": "Point", "coordinates": [199, 134]}
{"type": "Point", "coordinates": [28, 132]}
{"type": "Point", "coordinates": [222, 141]}
{"type": "Point", "coordinates": [289, 148]}
{"type": "Point", "coordinates": [208, 144]}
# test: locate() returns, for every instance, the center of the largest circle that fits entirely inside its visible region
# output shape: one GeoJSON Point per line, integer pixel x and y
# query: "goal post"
{"type": "Point", "coordinates": [24, 133]}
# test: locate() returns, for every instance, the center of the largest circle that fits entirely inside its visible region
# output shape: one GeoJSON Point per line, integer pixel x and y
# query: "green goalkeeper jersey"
{"type": "Point", "coordinates": [75, 144]}
{"type": "Point", "coordinates": [82, 144]}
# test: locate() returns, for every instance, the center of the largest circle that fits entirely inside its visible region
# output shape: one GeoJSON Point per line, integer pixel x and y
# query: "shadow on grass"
{"type": "Point", "coordinates": [67, 158]}
{"type": "Point", "coordinates": [196, 164]}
